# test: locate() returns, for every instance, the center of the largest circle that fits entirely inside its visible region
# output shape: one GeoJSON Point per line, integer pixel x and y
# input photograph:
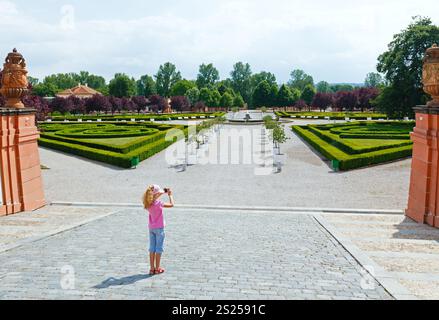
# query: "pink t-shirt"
{"type": "Point", "coordinates": [156, 219]}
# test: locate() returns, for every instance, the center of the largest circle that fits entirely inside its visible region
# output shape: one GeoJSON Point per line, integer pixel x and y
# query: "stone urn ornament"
{"type": "Point", "coordinates": [430, 74]}
{"type": "Point", "coordinates": [14, 84]}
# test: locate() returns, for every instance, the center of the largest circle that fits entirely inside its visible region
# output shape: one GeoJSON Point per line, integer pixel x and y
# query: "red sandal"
{"type": "Point", "coordinates": [159, 271]}
{"type": "Point", "coordinates": [152, 272]}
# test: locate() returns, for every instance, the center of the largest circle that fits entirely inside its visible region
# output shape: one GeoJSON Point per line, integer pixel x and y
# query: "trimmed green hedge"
{"type": "Point", "coordinates": [345, 146]}
{"type": "Point", "coordinates": [118, 155]}
{"type": "Point", "coordinates": [332, 147]}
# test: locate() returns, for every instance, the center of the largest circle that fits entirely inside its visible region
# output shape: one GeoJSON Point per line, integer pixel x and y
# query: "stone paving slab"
{"type": "Point", "coordinates": [406, 251]}
{"type": "Point", "coordinates": [209, 255]}
{"type": "Point", "coordinates": [18, 229]}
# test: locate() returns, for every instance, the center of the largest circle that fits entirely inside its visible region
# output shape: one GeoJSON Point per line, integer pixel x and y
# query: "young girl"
{"type": "Point", "coordinates": [155, 207]}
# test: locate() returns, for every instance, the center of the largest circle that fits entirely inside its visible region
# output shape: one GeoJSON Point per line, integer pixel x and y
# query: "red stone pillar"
{"type": "Point", "coordinates": [423, 204]}
{"type": "Point", "coordinates": [20, 162]}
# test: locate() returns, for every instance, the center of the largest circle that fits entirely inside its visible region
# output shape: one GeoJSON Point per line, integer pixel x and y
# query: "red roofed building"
{"type": "Point", "coordinates": [80, 91]}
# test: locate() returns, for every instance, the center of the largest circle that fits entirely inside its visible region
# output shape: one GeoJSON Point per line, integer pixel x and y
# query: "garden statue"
{"type": "Point", "coordinates": [14, 84]}
{"type": "Point", "coordinates": [430, 74]}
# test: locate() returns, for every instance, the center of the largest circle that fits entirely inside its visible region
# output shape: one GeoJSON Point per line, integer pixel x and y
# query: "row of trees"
{"type": "Point", "coordinates": [103, 104]}
{"type": "Point", "coordinates": [242, 87]}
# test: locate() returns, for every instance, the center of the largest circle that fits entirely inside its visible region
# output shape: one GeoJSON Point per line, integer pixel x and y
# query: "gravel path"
{"type": "Point", "coordinates": [305, 181]}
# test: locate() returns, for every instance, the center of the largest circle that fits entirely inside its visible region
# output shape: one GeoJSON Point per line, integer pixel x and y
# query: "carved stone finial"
{"type": "Point", "coordinates": [430, 74]}
{"type": "Point", "coordinates": [14, 84]}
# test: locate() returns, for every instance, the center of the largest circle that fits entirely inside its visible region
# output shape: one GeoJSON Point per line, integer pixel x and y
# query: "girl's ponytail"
{"type": "Point", "coordinates": [148, 197]}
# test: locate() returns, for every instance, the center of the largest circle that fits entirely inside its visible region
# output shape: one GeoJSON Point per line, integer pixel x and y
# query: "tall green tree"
{"type": "Point", "coordinates": [146, 86]}
{"type": "Point", "coordinates": [299, 79]}
{"type": "Point", "coordinates": [323, 87]}
{"type": "Point", "coordinates": [181, 87]}
{"type": "Point", "coordinates": [257, 78]}
{"type": "Point", "coordinates": [373, 80]}
{"type": "Point", "coordinates": [238, 101]}
{"type": "Point", "coordinates": [308, 94]}
{"type": "Point", "coordinates": [122, 86]}
{"type": "Point", "coordinates": [166, 77]}
{"type": "Point", "coordinates": [215, 99]}
{"type": "Point", "coordinates": [226, 100]}
{"type": "Point", "coordinates": [193, 95]}
{"type": "Point", "coordinates": [285, 97]}
{"type": "Point", "coordinates": [241, 80]}
{"type": "Point", "coordinates": [402, 65]}
{"type": "Point", "coordinates": [208, 75]}
{"type": "Point", "coordinates": [262, 96]}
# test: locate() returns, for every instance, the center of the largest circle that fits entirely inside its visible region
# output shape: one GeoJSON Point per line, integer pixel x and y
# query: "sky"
{"type": "Point", "coordinates": [337, 41]}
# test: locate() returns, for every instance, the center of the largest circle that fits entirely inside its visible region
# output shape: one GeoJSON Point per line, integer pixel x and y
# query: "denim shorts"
{"type": "Point", "coordinates": [156, 240]}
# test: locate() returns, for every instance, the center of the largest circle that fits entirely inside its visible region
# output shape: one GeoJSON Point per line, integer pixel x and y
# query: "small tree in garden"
{"type": "Point", "coordinates": [158, 103]}
{"type": "Point", "coordinates": [61, 105]}
{"type": "Point", "coordinates": [346, 100]}
{"type": "Point", "coordinates": [78, 105]}
{"type": "Point", "coordinates": [180, 103]}
{"type": "Point", "coordinates": [141, 103]}
{"type": "Point", "coordinates": [279, 135]}
{"type": "Point", "coordinates": [200, 106]}
{"type": "Point", "coordinates": [366, 96]}
{"type": "Point", "coordinates": [115, 104]}
{"type": "Point", "coordinates": [322, 101]}
{"type": "Point", "coordinates": [300, 105]}
{"type": "Point", "coordinates": [39, 104]}
{"type": "Point", "coordinates": [264, 109]}
{"type": "Point", "coordinates": [97, 103]}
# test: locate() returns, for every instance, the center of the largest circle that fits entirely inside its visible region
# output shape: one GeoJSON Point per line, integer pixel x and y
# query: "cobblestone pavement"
{"type": "Point", "coordinates": [209, 255]}
{"type": "Point", "coordinates": [398, 249]}
{"type": "Point", "coordinates": [305, 181]}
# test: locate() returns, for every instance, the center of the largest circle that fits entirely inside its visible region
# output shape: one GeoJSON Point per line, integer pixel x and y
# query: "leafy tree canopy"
{"type": "Point", "coordinates": [166, 77]}
{"type": "Point", "coordinates": [208, 75]}
{"type": "Point", "coordinates": [299, 79]}
{"type": "Point", "coordinates": [402, 65]}
{"type": "Point", "coordinates": [122, 86]}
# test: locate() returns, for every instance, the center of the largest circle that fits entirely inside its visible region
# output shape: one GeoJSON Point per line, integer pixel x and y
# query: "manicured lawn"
{"type": "Point", "coordinates": [359, 144]}
{"type": "Point", "coordinates": [116, 143]}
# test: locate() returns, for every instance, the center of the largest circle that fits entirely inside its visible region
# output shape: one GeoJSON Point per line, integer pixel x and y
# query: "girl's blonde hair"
{"type": "Point", "coordinates": [148, 197]}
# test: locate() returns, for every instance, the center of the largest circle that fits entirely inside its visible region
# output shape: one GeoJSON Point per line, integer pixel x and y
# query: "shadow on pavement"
{"type": "Point", "coordinates": [113, 282]}
{"type": "Point", "coordinates": [410, 230]}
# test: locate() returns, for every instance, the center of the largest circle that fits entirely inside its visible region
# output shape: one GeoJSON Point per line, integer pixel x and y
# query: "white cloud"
{"type": "Point", "coordinates": [337, 40]}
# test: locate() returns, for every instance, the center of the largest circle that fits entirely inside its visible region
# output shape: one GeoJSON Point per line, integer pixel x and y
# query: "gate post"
{"type": "Point", "coordinates": [423, 205]}
{"type": "Point", "coordinates": [19, 157]}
